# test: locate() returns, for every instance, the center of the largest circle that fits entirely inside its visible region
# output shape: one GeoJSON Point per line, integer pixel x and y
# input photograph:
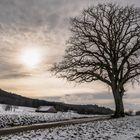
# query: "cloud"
{"type": "Point", "coordinates": [15, 75]}
{"type": "Point", "coordinates": [10, 70]}
{"type": "Point", "coordinates": [103, 98]}
{"type": "Point", "coordinates": [44, 23]}
{"type": "Point", "coordinates": [39, 13]}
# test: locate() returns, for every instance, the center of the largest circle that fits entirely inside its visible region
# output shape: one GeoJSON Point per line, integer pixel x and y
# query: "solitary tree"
{"type": "Point", "coordinates": [105, 46]}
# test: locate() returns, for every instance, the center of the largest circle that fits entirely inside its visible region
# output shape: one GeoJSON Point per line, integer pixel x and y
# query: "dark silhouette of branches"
{"type": "Point", "coordinates": [105, 46]}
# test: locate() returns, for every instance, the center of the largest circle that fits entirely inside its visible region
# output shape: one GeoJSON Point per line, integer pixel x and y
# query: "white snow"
{"type": "Point", "coordinates": [127, 128]}
{"type": "Point", "coordinates": [17, 108]}
{"type": "Point", "coordinates": [10, 119]}
{"type": "Point", "coordinates": [19, 116]}
{"type": "Point", "coordinates": [45, 108]}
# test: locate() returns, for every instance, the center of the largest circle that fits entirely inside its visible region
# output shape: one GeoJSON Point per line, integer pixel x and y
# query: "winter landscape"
{"type": "Point", "coordinates": [69, 70]}
{"type": "Point", "coordinates": [118, 129]}
{"type": "Point", "coordinates": [21, 117]}
{"type": "Point", "coordinates": [127, 128]}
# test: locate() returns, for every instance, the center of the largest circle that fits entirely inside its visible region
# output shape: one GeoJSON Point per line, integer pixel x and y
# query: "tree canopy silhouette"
{"type": "Point", "coordinates": [104, 45]}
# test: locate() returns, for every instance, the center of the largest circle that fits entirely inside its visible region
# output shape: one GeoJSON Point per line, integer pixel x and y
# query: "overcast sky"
{"type": "Point", "coordinates": [42, 24]}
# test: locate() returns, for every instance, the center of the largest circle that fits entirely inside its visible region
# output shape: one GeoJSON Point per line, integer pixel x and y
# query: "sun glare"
{"type": "Point", "coordinates": [31, 57]}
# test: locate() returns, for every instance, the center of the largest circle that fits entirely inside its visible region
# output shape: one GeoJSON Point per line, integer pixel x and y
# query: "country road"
{"type": "Point", "coordinates": [6, 131]}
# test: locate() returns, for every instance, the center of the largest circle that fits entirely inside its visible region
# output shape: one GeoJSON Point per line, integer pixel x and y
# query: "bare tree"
{"type": "Point", "coordinates": [105, 46]}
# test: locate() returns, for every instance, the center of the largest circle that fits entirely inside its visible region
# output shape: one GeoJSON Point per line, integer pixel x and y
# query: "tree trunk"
{"type": "Point", "coordinates": [119, 107]}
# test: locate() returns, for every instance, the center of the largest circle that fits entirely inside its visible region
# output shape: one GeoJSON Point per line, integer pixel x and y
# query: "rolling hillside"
{"type": "Point", "coordinates": [14, 99]}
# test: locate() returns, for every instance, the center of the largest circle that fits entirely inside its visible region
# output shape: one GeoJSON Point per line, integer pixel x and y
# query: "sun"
{"type": "Point", "coordinates": [30, 57]}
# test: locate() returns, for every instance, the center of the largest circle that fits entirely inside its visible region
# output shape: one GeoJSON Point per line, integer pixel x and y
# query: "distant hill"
{"type": "Point", "coordinates": [14, 99]}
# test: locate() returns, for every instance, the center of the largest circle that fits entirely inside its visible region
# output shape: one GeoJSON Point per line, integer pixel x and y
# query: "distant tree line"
{"type": "Point", "coordinates": [17, 100]}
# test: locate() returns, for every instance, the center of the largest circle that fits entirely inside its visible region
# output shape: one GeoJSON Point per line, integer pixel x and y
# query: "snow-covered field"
{"type": "Point", "coordinates": [127, 128]}
{"type": "Point", "coordinates": [19, 116]}
{"type": "Point", "coordinates": [17, 108]}
{"type": "Point", "coordinates": [9, 119]}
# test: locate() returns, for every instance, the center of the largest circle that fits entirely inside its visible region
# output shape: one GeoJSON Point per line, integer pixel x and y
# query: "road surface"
{"type": "Point", "coordinates": [11, 130]}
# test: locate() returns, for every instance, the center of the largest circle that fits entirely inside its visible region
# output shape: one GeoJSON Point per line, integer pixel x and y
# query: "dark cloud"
{"type": "Point", "coordinates": [38, 12]}
{"type": "Point", "coordinates": [14, 75]}
{"type": "Point", "coordinates": [23, 20]}
{"type": "Point", "coordinates": [10, 70]}
{"type": "Point", "coordinates": [90, 96]}
{"type": "Point", "coordinates": [45, 21]}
